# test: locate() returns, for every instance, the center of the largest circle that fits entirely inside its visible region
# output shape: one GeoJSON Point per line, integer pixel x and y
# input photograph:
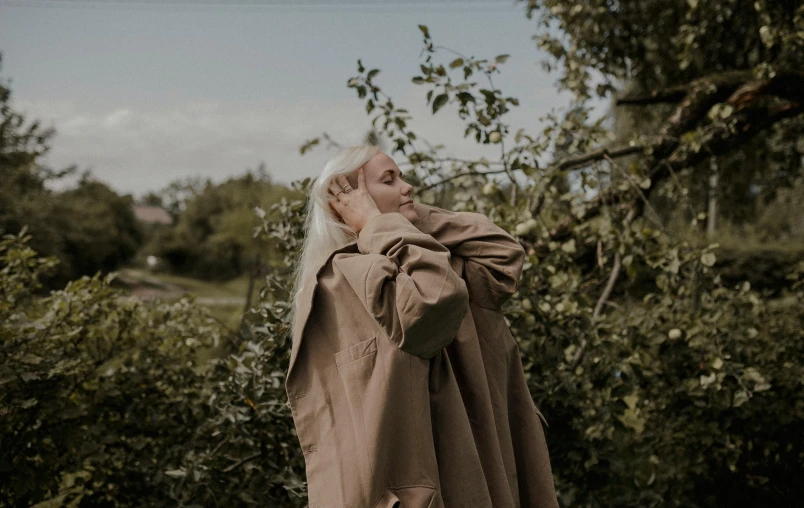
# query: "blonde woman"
{"type": "Point", "coordinates": [405, 384]}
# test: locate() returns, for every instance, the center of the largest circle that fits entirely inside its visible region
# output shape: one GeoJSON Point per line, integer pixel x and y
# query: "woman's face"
{"type": "Point", "coordinates": [385, 185]}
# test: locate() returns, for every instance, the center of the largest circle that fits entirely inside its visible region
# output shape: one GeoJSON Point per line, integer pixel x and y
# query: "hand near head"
{"type": "Point", "coordinates": [354, 206]}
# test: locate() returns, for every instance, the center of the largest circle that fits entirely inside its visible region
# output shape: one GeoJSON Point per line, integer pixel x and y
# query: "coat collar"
{"type": "Point", "coordinates": [305, 302]}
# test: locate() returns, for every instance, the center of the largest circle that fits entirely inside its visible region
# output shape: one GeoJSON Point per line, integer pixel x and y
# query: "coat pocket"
{"type": "Point", "coordinates": [410, 497]}
{"type": "Point", "coordinates": [356, 352]}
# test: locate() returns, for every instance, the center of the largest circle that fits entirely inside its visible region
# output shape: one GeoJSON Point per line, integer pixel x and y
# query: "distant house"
{"type": "Point", "coordinates": [152, 215]}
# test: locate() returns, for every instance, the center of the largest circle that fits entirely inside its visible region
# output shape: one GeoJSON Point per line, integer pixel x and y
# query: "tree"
{"type": "Point", "coordinates": [692, 68]}
{"type": "Point", "coordinates": [212, 235]}
{"type": "Point", "coordinates": [89, 228]}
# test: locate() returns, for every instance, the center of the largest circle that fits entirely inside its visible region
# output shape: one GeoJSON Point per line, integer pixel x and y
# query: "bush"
{"type": "Point", "coordinates": [100, 392]}
{"type": "Point", "coordinates": [690, 395]}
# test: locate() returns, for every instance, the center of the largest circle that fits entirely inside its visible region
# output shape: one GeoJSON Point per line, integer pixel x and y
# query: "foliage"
{"type": "Point", "coordinates": [657, 44]}
{"type": "Point", "coordinates": [246, 453]}
{"type": "Point", "coordinates": [662, 381]}
{"type": "Point", "coordinates": [212, 234]}
{"type": "Point", "coordinates": [100, 392]}
{"type": "Point", "coordinates": [652, 51]}
{"type": "Point", "coordinates": [88, 228]}
{"type": "Point", "coordinates": [673, 398]}
{"type": "Point", "coordinates": [666, 378]}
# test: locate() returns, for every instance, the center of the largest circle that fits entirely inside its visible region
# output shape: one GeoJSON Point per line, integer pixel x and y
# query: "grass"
{"type": "Point", "coordinates": [230, 295]}
{"type": "Point", "coordinates": [235, 288]}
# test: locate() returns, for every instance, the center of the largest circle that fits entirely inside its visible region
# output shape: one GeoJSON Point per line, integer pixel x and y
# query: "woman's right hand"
{"type": "Point", "coordinates": [356, 206]}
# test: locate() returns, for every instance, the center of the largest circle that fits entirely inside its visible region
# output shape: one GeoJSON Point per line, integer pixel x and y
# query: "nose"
{"type": "Point", "coordinates": [407, 189]}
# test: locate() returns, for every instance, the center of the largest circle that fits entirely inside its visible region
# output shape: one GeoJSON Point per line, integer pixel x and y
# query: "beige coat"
{"type": "Point", "coordinates": [405, 384]}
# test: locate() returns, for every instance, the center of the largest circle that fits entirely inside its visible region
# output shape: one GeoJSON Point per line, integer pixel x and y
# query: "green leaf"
{"type": "Point", "coordinates": [631, 419]}
{"type": "Point", "coordinates": [631, 400]}
{"type": "Point", "coordinates": [456, 63]}
{"type": "Point", "coordinates": [465, 97]}
{"type": "Point", "coordinates": [740, 398]}
{"type": "Point", "coordinates": [425, 31]}
{"type": "Point", "coordinates": [439, 101]}
{"type": "Point", "coordinates": [372, 73]}
{"type": "Point", "coordinates": [31, 359]}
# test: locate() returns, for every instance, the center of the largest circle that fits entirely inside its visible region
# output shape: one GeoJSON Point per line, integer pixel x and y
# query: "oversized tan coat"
{"type": "Point", "coordinates": [405, 384]}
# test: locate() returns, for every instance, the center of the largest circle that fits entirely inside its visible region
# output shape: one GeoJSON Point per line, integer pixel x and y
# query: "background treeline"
{"type": "Point", "coordinates": [91, 228]}
{"type": "Point", "coordinates": [211, 237]}
{"type": "Point", "coordinates": [659, 313]}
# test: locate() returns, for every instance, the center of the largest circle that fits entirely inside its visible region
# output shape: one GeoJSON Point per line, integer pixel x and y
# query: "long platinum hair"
{"type": "Point", "coordinates": [323, 231]}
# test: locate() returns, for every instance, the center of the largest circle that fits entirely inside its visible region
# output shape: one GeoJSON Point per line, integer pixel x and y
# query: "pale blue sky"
{"type": "Point", "coordinates": [142, 95]}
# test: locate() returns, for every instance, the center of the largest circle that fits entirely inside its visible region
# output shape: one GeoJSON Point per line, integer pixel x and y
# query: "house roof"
{"type": "Point", "coordinates": [152, 215]}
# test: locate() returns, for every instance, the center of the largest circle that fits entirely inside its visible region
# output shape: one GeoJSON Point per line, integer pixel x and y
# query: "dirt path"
{"type": "Point", "coordinates": [144, 285]}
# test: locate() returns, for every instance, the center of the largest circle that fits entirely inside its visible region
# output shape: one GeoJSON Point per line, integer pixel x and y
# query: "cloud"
{"type": "Point", "coordinates": [136, 148]}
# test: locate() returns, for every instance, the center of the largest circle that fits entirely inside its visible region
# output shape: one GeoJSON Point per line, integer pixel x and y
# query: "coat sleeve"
{"type": "Point", "coordinates": [408, 286]}
{"type": "Point", "coordinates": [493, 257]}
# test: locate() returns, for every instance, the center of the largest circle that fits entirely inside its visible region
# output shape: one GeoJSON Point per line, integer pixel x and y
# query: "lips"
{"type": "Point", "coordinates": [407, 203]}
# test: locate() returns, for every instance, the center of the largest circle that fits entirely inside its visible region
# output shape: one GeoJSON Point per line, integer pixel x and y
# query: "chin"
{"type": "Point", "coordinates": [409, 212]}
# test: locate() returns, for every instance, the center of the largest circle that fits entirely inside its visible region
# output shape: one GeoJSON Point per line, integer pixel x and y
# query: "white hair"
{"type": "Point", "coordinates": [323, 231]}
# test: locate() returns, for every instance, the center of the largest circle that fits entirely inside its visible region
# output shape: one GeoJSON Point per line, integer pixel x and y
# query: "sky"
{"type": "Point", "coordinates": [142, 95]}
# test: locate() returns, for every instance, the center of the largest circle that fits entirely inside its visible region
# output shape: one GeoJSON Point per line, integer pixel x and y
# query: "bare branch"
{"type": "Point", "coordinates": [604, 296]}
{"type": "Point", "coordinates": [669, 95]}
{"type": "Point", "coordinates": [676, 94]}
{"type": "Point", "coordinates": [578, 161]}
{"type": "Point", "coordinates": [229, 469]}
{"type": "Point", "coordinates": [459, 175]}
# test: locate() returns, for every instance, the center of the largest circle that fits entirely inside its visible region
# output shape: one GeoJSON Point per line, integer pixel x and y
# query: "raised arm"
{"type": "Point", "coordinates": [493, 258]}
{"type": "Point", "coordinates": [405, 281]}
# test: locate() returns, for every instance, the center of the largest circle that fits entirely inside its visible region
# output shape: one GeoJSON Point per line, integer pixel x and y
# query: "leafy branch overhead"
{"type": "Point", "coordinates": [713, 115]}
{"type": "Point", "coordinates": [641, 336]}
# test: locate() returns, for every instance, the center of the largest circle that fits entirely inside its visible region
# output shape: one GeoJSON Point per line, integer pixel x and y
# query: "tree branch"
{"type": "Point", "coordinates": [229, 469]}
{"type": "Point", "coordinates": [676, 94]}
{"type": "Point", "coordinates": [459, 175]}
{"type": "Point", "coordinates": [615, 272]}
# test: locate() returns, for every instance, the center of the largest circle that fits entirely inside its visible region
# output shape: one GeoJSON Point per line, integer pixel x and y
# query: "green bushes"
{"type": "Point", "coordinates": [103, 400]}
{"type": "Point", "coordinates": [212, 238]}
{"type": "Point", "coordinates": [688, 396]}
{"type": "Point", "coordinates": [88, 228]}
{"type": "Point", "coordinates": [99, 393]}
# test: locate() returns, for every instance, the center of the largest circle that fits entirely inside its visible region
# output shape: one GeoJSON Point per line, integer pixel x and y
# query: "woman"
{"type": "Point", "coordinates": [405, 384]}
